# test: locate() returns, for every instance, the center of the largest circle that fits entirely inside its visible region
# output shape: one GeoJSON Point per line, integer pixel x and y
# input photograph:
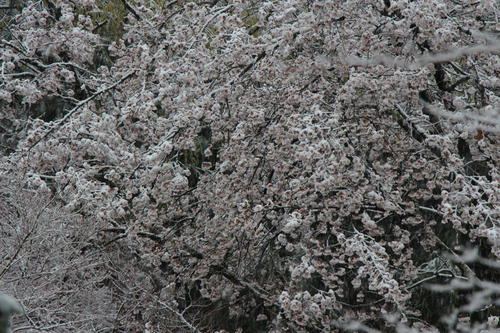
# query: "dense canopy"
{"type": "Point", "coordinates": [251, 166]}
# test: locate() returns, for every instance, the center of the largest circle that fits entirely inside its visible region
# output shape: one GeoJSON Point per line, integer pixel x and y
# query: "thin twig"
{"type": "Point", "coordinates": [179, 315]}
{"type": "Point", "coordinates": [220, 11]}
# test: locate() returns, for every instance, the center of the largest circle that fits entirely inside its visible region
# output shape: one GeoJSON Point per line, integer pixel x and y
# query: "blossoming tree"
{"type": "Point", "coordinates": [267, 165]}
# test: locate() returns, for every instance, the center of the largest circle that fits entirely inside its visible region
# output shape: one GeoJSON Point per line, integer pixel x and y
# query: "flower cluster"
{"type": "Point", "coordinates": [288, 164]}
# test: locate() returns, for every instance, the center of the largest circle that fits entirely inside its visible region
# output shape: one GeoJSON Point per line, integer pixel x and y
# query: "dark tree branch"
{"type": "Point", "coordinates": [151, 236]}
{"type": "Point", "coordinates": [130, 9]}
